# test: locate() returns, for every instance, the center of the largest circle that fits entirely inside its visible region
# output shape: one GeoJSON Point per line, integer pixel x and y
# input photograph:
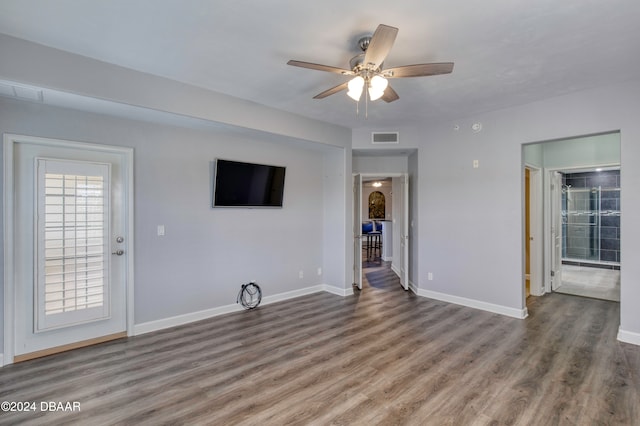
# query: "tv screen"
{"type": "Point", "coordinates": [238, 184]}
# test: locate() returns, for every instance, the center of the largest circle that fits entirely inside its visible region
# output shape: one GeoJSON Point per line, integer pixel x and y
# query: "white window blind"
{"type": "Point", "coordinates": [73, 232]}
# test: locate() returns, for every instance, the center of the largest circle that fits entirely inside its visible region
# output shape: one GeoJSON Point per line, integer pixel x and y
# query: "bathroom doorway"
{"type": "Point", "coordinates": [580, 214]}
{"type": "Point", "coordinates": [587, 214]}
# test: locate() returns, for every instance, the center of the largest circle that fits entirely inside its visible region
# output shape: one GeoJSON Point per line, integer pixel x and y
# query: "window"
{"type": "Point", "coordinates": [73, 232]}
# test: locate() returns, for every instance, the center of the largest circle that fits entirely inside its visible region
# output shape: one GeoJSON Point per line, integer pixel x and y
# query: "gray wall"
{"type": "Point", "coordinates": [208, 253]}
{"type": "Point", "coordinates": [470, 220]}
{"type": "Point", "coordinates": [593, 150]}
{"type": "Point", "coordinates": [379, 164]}
{"type": "Point", "coordinates": [218, 249]}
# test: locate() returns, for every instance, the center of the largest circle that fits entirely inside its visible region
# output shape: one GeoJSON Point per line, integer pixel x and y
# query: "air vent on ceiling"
{"type": "Point", "coordinates": [385, 137]}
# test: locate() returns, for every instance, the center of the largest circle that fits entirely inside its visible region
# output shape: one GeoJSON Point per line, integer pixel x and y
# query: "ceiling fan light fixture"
{"type": "Point", "coordinates": [355, 88]}
{"type": "Point", "coordinates": [368, 71]}
{"type": "Point", "coordinates": [377, 86]}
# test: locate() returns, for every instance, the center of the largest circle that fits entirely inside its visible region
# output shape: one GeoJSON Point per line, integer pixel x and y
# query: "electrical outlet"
{"type": "Point", "coordinates": [430, 276]}
{"type": "Point", "coordinates": [160, 230]}
{"type": "Point", "coordinates": [319, 271]}
{"type": "Point", "coordinates": [476, 164]}
{"type": "Point", "coordinates": [301, 275]}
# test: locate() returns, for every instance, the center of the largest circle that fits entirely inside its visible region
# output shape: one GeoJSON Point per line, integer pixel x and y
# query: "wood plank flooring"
{"type": "Point", "coordinates": [382, 356]}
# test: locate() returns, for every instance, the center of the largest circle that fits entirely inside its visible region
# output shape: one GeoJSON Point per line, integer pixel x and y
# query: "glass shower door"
{"type": "Point", "coordinates": [581, 223]}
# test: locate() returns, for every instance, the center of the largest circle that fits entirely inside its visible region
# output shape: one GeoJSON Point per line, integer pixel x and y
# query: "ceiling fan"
{"type": "Point", "coordinates": [367, 68]}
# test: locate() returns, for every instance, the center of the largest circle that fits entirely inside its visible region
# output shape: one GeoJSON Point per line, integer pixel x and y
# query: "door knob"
{"type": "Point", "coordinates": [118, 252]}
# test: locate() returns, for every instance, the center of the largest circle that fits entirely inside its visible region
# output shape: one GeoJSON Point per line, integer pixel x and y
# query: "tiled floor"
{"type": "Point", "coordinates": [590, 282]}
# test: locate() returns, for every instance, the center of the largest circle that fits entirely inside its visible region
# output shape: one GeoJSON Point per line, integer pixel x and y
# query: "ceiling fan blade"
{"type": "Point", "coordinates": [331, 91]}
{"type": "Point", "coordinates": [320, 67]}
{"type": "Point", "coordinates": [389, 95]}
{"type": "Point", "coordinates": [419, 70]}
{"type": "Point", "coordinates": [380, 45]}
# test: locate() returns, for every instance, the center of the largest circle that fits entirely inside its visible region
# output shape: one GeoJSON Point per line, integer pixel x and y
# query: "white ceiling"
{"type": "Point", "coordinates": [506, 52]}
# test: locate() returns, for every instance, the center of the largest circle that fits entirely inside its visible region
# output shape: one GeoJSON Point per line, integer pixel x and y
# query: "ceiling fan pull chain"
{"type": "Point", "coordinates": [366, 104]}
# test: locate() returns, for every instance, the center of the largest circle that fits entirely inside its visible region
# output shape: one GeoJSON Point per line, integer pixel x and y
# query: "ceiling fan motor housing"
{"type": "Point", "coordinates": [364, 43]}
{"type": "Point", "coordinates": [359, 67]}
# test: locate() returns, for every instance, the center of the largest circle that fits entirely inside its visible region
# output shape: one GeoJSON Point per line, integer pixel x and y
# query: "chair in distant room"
{"type": "Point", "coordinates": [374, 244]}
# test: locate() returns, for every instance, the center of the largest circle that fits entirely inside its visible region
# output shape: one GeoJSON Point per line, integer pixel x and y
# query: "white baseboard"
{"type": "Point", "coordinates": [291, 294]}
{"type": "Point", "coordinates": [1, 360]}
{"type": "Point", "coordinates": [148, 327]}
{"type": "Point", "coordinates": [395, 269]}
{"type": "Point", "coordinates": [337, 290]}
{"type": "Point", "coordinates": [471, 303]}
{"type": "Point", "coordinates": [628, 337]}
{"type": "Point", "coordinates": [414, 288]}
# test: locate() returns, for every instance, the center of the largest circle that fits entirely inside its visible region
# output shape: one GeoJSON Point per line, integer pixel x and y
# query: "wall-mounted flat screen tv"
{"type": "Point", "coordinates": [238, 184]}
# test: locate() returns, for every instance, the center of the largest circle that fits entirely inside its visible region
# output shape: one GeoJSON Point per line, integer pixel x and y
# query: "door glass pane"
{"type": "Point", "coordinates": [73, 243]}
{"type": "Point", "coordinates": [74, 240]}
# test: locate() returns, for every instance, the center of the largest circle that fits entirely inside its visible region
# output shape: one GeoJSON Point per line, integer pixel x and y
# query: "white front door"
{"type": "Point", "coordinates": [357, 231]}
{"type": "Point", "coordinates": [71, 244]}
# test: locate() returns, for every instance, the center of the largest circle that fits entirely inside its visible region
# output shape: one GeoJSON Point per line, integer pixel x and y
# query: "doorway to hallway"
{"type": "Point", "coordinates": [381, 231]}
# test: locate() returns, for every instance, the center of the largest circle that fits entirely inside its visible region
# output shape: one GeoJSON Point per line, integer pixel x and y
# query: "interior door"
{"type": "Point", "coordinates": [404, 238]}
{"type": "Point", "coordinates": [70, 246]}
{"type": "Point", "coordinates": [556, 230]}
{"type": "Point", "coordinates": [527, 231]}
{"type": "Point", "coordinates": [357, 231]}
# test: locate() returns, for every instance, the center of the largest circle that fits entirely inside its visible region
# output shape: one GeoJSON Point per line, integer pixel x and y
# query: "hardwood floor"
{"type": "Point", "coordinates": [381, 356]}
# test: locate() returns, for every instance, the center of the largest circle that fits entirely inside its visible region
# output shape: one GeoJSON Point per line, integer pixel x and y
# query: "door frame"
{"type": "Point", "coordinates": [356, 225]}
{"type": "Point", "coordinates": [405, 213]}
{"type": "Point", "coordinates": [9, 142]}
{"type": "Point", "coordinates": [536, 245]}
{"type": "Point", "coordinates": [555, 222]}
{"type": "Point", "coordinates": [548, 240]}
